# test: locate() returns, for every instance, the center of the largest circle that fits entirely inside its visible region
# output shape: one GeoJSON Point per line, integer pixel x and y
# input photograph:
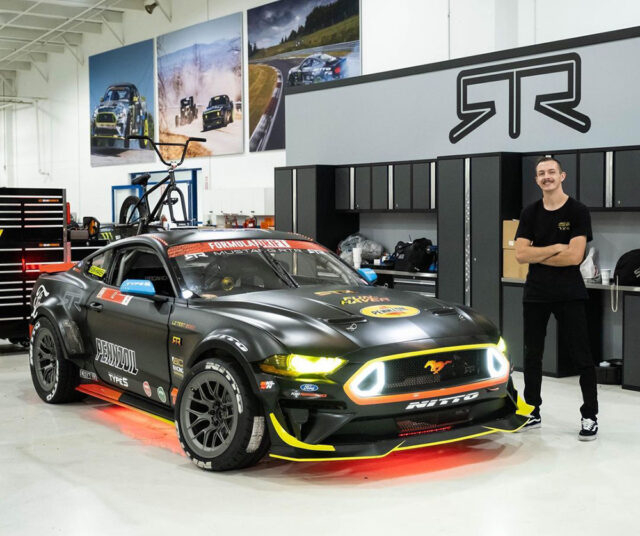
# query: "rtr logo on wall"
{"type": "Point", "coordinates": [559, 106]}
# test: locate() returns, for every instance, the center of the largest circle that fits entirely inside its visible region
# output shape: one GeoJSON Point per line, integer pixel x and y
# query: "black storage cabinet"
{"type": "Point", "coordinates": [305, 201]}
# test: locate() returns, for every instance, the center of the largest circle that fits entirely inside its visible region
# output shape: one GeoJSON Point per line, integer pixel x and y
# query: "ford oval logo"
{"type": "Point", "coordinates": [308, 387]}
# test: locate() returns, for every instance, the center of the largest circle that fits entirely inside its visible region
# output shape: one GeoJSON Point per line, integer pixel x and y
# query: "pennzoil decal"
{"type": "Point", "coordinates": [113, 295]}
{"type": "Point", "coordinates": [115, 356]}
{"type": "Point", "coordinates": [330, 292]}
{"type": "Point", "coordinates": [390, 311]}
{"type": "Point", "coordinates": [356, 300]}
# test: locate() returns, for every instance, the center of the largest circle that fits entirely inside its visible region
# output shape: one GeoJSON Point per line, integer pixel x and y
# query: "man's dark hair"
{"type": "Point", "coordinates": [549, 159]}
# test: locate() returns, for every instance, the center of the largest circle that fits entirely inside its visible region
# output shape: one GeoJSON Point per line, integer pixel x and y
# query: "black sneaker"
{"type": "Point", "coordinates": [532, 423]}
{"type": "Point", "coordinates": [589, 430]}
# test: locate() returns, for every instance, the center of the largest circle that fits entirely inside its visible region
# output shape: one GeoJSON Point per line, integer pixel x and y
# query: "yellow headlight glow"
{"type": "Point", "coordinates": [301, 365]}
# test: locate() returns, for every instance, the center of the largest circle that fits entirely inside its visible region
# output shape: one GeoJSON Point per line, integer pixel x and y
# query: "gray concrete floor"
{"type": "Point", "coordinates": [92, 468]}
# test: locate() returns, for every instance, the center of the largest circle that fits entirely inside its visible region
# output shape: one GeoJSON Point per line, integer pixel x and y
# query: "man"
{"type": "Point", "coordinates": [552, 237]}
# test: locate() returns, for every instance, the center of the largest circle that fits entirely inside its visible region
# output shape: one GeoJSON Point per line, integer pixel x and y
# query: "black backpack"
{"type": "Point", "coordinates": [414, 256]}
{"type": "Point", "coordinates": [627, 270]}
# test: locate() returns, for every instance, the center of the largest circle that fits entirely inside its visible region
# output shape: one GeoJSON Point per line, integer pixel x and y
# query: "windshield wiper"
{"type": "Point", "coordinates": [278, 268]}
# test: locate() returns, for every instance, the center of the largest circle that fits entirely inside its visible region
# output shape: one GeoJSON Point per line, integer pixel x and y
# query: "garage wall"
{"type": "Point", "coordinates": [413, 32]}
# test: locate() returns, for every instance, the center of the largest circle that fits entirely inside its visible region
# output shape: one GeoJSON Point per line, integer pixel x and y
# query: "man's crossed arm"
{"type": "Point", "coordinates": [571, 254]}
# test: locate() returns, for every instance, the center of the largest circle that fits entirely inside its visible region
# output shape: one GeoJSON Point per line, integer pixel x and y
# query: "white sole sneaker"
{"type": "Point", "coordinates": [587, 437]}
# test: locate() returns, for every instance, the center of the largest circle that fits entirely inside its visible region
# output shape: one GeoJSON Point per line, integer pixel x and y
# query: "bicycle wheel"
{"type": "Point", "coordinates": [127, 212]}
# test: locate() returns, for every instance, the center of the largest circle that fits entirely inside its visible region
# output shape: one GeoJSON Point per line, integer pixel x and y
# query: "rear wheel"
{"type": "Point", "coordinates": [54, 377]}
{"type": "Point", "coordinates": [127, 212]}
{"type": "Point", "coordinates": [219, 421]}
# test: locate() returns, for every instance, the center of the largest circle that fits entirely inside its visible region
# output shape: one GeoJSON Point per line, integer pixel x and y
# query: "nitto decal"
{"type": "Point", "coordinates": [41, 293]}
{"type": "Point", "coordinates": [355, 300]}
{"type": "Point", "coordinates": [329, 292]}
{"type": "Point", "coordinates": [113, 295]}
{"type": "Point", "coordinates": [256, 434]}
{"type": "Point", "coordinates": [436, 366]}
{"type": "Point", "coordinates": [120, 380]}
{"type": "Point", "coordinates": [219, 368]}
{"type": "Point", "coordinates": [242, 347]}
{"type": "Point", "coordinates": [116, 356]}
{"type": "Point", "coordinates": [559, 106]}
{"type": "Point", "coordinates": [390, 311]}
{"type": "Point", "coordinates": [147, 388]}
{"type": "Point", "coordinates": [446, 401]}
{"type": "Point", "coordinates": [88, 375]}
{"type": "Point", "coordinates": [234, 245]}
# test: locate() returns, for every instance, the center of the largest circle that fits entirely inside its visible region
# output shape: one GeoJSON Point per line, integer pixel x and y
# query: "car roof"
{"type": "Point", "coordinates": [184, 236]}
{"type": "Point", "coordinates": [124, 84]}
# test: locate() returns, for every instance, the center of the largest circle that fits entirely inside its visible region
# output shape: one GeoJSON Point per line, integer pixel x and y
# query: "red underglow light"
{"type": "Point", "coordinates": [419, 432]}
{"type": "Point", "coordinates": [143, 428]}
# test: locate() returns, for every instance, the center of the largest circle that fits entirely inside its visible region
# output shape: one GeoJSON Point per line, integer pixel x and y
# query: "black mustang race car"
{"type": "Point", "coordinates": [317, 68]}
{"type": "Point", "coordinates": [219, 112]}
{"type": "Point", "coordinates": [258, 340]}
{"type": "Point", "coordinates": [122, 112]}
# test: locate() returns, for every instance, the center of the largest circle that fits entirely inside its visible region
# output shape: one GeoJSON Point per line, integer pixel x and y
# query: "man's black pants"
{"type": "Point", "coordinates": [572, 320]}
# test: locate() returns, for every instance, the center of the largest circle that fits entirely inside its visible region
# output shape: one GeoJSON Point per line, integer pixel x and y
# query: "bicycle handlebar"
{"type": "Point", "coordinates": [156, 144]}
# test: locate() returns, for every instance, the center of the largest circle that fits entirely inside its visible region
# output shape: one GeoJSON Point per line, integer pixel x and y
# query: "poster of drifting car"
{"type": "Point", "coordinates": [296, 42]}
{"type": "Point", "coordinates": [200, 87]}
{"type": "Point", "coordinates": [121, 100]}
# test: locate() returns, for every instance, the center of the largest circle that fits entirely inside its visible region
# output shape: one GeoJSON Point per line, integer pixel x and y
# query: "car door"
{"type": "Point", "coordinates": [129, 333]}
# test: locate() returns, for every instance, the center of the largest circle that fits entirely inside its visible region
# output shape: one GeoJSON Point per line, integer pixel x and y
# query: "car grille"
{"type": "Point", "coordinates": [106, 117]}
{"type": "Point", "coordinates": [434, 371]}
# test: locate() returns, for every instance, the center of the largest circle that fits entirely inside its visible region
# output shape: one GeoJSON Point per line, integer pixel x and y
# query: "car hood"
{"type": "Point", "coordinates": [112, 106]}
{"type": "Point", "coordinates": [341, 320]}
{"type": "Point", "coordinates": [215, 108]}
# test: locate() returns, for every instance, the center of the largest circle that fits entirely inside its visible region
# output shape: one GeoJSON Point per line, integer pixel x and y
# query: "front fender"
{"type": "Point", "coordinates": [243, 346]}
{"type": "Point", "coordinates": [54, 311]}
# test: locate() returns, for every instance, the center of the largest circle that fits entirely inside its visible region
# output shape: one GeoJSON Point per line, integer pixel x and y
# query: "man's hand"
{"type": "Point", "coordinates": [526, 253]}
{"type": "Point", "coordinates": [572, 255]}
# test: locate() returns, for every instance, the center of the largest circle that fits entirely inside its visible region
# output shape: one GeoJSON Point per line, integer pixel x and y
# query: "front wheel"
{"type": "Point", "coordinates": [219, 421]}
{"type": "Point", "coordinates": [54, 377]}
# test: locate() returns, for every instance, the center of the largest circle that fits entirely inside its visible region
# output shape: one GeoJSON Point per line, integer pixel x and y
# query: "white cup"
{"type": "Point", "coordinates": [357, 257]}
{"type": "Point", "coordinates": [605, 273]}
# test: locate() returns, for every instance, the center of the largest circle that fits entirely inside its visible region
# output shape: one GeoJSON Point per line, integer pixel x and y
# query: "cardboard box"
{"type": "Point", "coordinates": [509, 228]}
{"type": "Point", "coordinates": [510, 266]}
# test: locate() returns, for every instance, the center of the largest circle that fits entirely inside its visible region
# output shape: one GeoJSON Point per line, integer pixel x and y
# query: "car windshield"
{"type": "Point", "coordinates": [223, 267]}
{"type": "Point", "coordinates": [215, 101]}
{"type": "Point", "coordinates": [117, 93]}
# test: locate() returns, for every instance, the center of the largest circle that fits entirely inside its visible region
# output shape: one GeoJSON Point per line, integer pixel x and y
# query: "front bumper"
{"type": "Point", "coordinates": [213, 120]}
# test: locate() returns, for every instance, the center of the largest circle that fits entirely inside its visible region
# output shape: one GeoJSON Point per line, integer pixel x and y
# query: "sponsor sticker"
{"type": "Point", "coordinates": [174, 396]}
{"type": "Point", "coordinates": [356, 300]}
{"type": "Point", "coordinates": [115, 356]}
{"type": "Point", "coordinates": [267, 385]}
{"type": "Point", "coordinates": [446, 401]}
{"type": "Point", "coordinates": [235, 245]}
{"type": "Point", "coordinates": [177, 364]}
{"type": "Point", "coordinates": [147, 388]}
{"type": "Point", "coordinates": [118, 380]}
{"type": "Point", "coordinates": [184, 325]}
{"type": "Point", "coordinates": [162, 395]}
{"type": "Point", "coordinates": [97, 271]}
{"type": "Point", "coordinates": [113, 295]}
{"type": "Point", "coordinates": [88, 375]}
{"type": "Point", "coordinates": [330, 292]}
{"type": "Point", "coordinates": [176, 340]}
{"type": "Point", "coordinates": [389, 311]}
{"type": "Point", "coordinates": [309, 387]}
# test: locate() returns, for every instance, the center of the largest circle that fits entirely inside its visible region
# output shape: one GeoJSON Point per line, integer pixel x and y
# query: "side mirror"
{"type": "Point", "coordinates": [368, 274]}
{"type": "Point", "coordinates": [138, 287]}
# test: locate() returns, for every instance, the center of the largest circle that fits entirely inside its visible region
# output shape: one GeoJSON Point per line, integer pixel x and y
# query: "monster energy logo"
{"type": "Point", "coordinates": [116, 356]}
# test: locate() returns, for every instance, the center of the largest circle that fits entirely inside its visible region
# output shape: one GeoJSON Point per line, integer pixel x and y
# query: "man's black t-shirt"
{"type": "Point", "coordinates": [544, 228]}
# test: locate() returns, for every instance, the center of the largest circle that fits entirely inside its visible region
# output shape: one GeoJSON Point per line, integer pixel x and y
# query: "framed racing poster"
{"type": "Point", "coordinates": [294, 43]}
{"type": "Point", "coordinates": [122, 103]}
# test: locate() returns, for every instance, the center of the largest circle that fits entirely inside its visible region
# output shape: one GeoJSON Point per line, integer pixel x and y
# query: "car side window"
{"type": "Point", "coordinates": [142, 263]}
{"type": "Point", "coordinates": [98, 267]}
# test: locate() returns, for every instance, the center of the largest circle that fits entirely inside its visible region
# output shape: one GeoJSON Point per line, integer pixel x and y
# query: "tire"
{"type": "Point", "coordinates": [231, 116]}
{"type": "Point", "coordinates": [177, 121]}
{"type": "Point", "coordinates": [128, 204]}
{"type": "Point", "coordinates": [54, 377]}
{"type": "Point", "coordinates": [219, 421]}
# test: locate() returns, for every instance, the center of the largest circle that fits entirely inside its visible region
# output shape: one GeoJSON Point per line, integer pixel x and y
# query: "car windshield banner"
{"type": "Point", "coordinates": [236, 245]}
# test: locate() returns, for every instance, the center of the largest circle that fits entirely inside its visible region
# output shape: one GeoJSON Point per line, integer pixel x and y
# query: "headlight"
{"type": "Point", "coordinates": [301, 365]}
{"type": "Point", "coordinates": [497, 362]}
{"type": "Point", "coordinates": [370, 380]}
